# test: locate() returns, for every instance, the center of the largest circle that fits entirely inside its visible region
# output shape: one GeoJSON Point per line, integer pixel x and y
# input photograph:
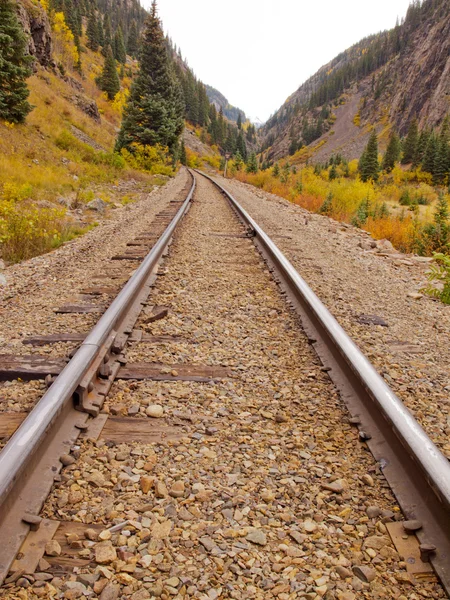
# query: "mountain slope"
{"type": "Point", "coordinates": [231, 112]}
{"type": "Point", "coordinates": [385, 80]}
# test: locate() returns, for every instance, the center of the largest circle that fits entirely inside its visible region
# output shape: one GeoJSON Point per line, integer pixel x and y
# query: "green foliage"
{"type": "Point", "coordinates": [238, 161]}
{"type": "Point", "coordinates": [439, 273]}
{"type": "Point", "coordinates": [14, 66]}
{"type": "Point", "coordinates": [119, 47]}
{"type": "Point", "coordinates": [411, 144]}
{"type": "Point", "coordinates": [154, 112]}
{"type": "Point", "coordinates": [252, 164]}
{"type": "Point", "coordinates": [393, 152]}
{"type": "Point", "coordinates": [369, 168]}
{"type": "Point", "coordinates": [327, 205]}
{"type": "Point", "coordinates": [276, 170]}
{"type": "Point", "coordinates": [333, 172]}
{"type": "Point", "coordinates": [133, 40]}
{"type": "Point", "coordinates": [109, 81]}
{"type": "Point", "coordinates": [183, 155]}
{"type": "Point", "coordinates": [92, 32]}
{"type": "Point", "coordinates": [436, 235]}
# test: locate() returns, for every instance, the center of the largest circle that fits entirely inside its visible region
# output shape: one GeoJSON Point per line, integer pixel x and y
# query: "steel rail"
{"type": "Point", "coordinates": [416, 470]}
{"type": "Point", "coordinates": [26, 441]}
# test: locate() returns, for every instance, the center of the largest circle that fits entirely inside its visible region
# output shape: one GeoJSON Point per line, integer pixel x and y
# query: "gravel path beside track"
{"type": "Point", "coordinates": [411, 350]}
{"type": "Point", "coordinates": [269, 493]}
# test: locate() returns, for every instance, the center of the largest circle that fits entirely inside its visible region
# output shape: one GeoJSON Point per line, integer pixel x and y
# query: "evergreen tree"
{"type": "Point", "coordinates": [368, 164]}
{"type": "Point", "coordinates": [241, 146]}
{"type": "Point", "coordinates": [109, 81]}
{"type": "Point", "coordinates": [239, 121]}
{"type": "Point", "coordinates": [392, 153]}
{"type": "Point", "coordinates": [183, 155]}
{"type": "Point", "coordinates": [429, 158]}
{"type": "Point", "coordinates": [92, 32]}
{"type": "Point", "coordinates": [252, 165]}
{"type": "Point", "coordinates": [15, 66]}
{"type": "Point", "coordinates": [155, 110]}
{"type": "Point", "coordinates": [238, 161]}
{"type": "Point", "coordinates": [107, 37]}
{"type": "Point", "coordinates": [440, 163]}
{"type": "Point", "coordinates": [276, 170]}
{"type": "Point", "coordinates": [100, 32]}
{"type": "Point", "coordinates": [333, 172]}
{"type": "Point", "coordinates": [411, 143]}
{"type": "Point", "coordinates": [119, 47]}
{"type": "Point", "coordinates": [133, 40]}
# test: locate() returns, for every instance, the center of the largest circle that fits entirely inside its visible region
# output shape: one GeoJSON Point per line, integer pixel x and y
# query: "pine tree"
{"type": "Point", "coordinates": [239, 121]}
{"type": "Point", "coordinates": [119, 47]}
{"type": "Point", "coordinates": [411, 142]}
{"type": "Point", "coordinates": [107, 37]}
{"type": "Point", "coordinates": [392, 153]}
{"type": "Point", "coordinates": [429, 158]}
{"type": "Point", "coordinates": [183, 155]}
{"type": "Point", "coordinates": [252, 165]}
{"type": "Point", "coordinates": [133, 41]}
{"type": "Point", "coordinates": [15, 66]}
{"type": "Point", "coordinates": [155, 110]}
{"type": "Point", "coordinates": [92, 32]}
{"type": "Point", "coordinates": [109, 81]}
{"type": "Point", "coordinates": [368, 164]}
{"type": "Point", "coordinates": [238, 161]}
{"type": "Point", "coordinates": [333, 172]}
{"type": "Point", "coordinates": [241, 146]}
{"type": "Point", "coordinates": [276, 170]}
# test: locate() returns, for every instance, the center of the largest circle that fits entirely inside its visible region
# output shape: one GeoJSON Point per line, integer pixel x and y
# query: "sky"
{"type": "Point", "coordinates": [258, 52]}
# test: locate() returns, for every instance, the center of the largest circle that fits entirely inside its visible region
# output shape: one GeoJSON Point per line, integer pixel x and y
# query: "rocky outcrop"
{"type": "Point", "coordinates": [36, 26]}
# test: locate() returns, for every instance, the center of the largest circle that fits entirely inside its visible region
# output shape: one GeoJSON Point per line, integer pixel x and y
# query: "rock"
{"type": "Point", "coordinates": [140, 595]}
{"type": "Point", "coordinates": [52, 548]}
{"type": "Point", "coordinates": [207, 543]}
{"type": "Point", "coordinates": [376, 542]}
{"type": "Point", "coordinates": [91, 534]}
{"type": "Point", "coordinates": [161, 490]}
{"type": "Point", "coordinates": [373, 512]}
{"type": "Point", "coordinates": [343, 572]}
{"type": "Point", "coordinates": [257, 536]}
{"type": "Point", "coordinates": [146, 484]}
{"type": "Point", "coordinates": [67, 460]}
{"type": "Point", "coordinates": [105, 553]}
{"type": "Point", "coordinates": [97, 204]}
{"type": "Point", "coordinates": [38, 32]}
{"type": "Point", "coordinates": [3, 280]}
{"type": "Point", "coordinates": [96, 478]}
{"type": "Point", "coordinates": [67, 202]}
{"type": "Point", "coordinates": [385, 246]}
{"type": "Point", "coordinates": [412, 526]}
{"type": "Point", "coordinates": [309, 526]}
{"type": "Point", "coordinates": [110, 592]}
{"type": "Point", "coordinates": [155, 411]}
{"type": "Point", "coordinates": [367, 479]}
{"type": "Point", "coordinates": [297, 536]}
{"type": "Point", "coordinates": [88, 106]}
{"type": "Point", "coordinates": [172, 582]}
{"type": "Point", "coordinates": [366, 574]}
{"type": "Point", "coordinates": [415, 295]}
{"type": "Point", "coordinates": [336, 487]}
{"type": "Point", "coordinates": [177, 490]}
{"type": "Point", "coordinates": [162, 530]}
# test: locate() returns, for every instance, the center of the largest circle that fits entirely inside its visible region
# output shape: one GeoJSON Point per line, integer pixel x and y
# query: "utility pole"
{"type": "Point", "coordinates": [227, 158]}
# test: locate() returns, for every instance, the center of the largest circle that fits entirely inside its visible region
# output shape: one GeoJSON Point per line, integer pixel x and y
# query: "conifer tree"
{"type": "Point", "coordinates": [368, 164]}
{"type": "Point", "coordinates": [252, 165]}
{"type": "Point", "coordinates": [133, 41]}
{"type": "Point", "coordinates": [392, 153]}
{"type": "Point", "coordinates": [238, 161]}
{"type": "Point", "coordinates": [333, 172]}
{"type": "Point", "coordinates": [92, 32]}
{"type": "Point", "coordinates": [155, 110]}
{"type": "Point", "coordinates": [411, 142]}
{"type": "Point", "coordinates": [119, 47]}
{"type": "Point", "coordinates": [107, 37]}
{"type": "Point", "coordinates": [241, 146]}
{"type": "Point", "coordinates": [183, 155]}
{"type": "Point", "coordinates": [109, 81]}
{"type": "Point", "coordinates": [239, 121]}
{"type": "Point", "coordinates": [429, 158]}
{"type": "Point", "coordinates": [15, 66]}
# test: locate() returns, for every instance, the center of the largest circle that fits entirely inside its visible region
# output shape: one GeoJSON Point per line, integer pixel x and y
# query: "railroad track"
{"type": "Point", "coordinates": [217, 479]}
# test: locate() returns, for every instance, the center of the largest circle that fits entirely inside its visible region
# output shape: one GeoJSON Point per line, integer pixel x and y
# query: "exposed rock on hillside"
{"type": "Point", "coordinates": [36, 26]}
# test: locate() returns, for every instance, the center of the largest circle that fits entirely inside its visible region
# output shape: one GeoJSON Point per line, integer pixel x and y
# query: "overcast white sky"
{"type": "Point", "coordinates": [258, 52]}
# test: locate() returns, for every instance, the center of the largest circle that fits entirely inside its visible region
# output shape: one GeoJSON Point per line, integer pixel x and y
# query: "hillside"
{"type": "Point", "coordinates": [220, 102]}
{"type": "Point", "coordinates": [385, 80]}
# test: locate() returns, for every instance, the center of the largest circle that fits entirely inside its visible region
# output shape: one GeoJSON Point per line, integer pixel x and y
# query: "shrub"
{"type": "Point", "coordinates": [440, 273]}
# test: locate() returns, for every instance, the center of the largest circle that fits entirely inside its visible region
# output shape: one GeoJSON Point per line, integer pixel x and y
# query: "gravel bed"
{"type": "Point", "coordinates": [269, 495]}
{"type": "Point", "coordinates": [36, 287]}
{"type": "Point", "coordinates": [411, 349]}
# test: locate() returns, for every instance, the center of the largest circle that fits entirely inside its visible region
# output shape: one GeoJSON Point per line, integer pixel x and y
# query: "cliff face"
{"type": "Point", "coordinates": [388, 80]}
{"type": "Point", "coordinates": [36, 26]}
